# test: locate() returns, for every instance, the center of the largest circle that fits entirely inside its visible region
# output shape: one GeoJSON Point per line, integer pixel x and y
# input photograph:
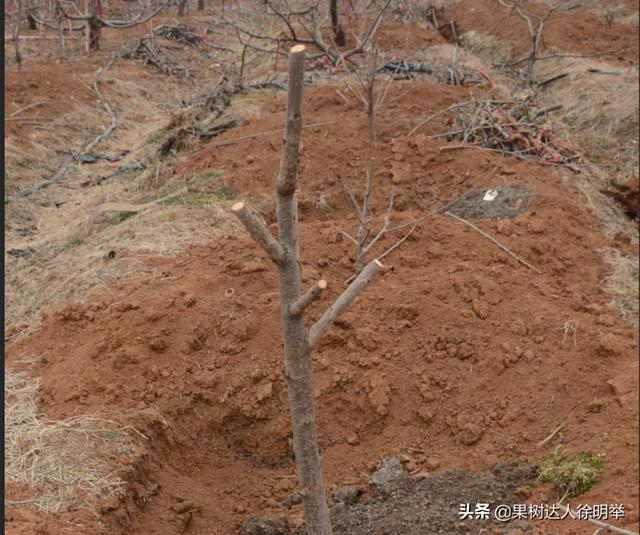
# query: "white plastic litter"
{"type": "Point", "coordinates": [490, 195]}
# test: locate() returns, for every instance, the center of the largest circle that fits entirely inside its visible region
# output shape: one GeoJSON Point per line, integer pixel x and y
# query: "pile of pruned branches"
{"type": "Point", "coordinates": [515, 127]}
{"type": "Point", "coordinates": [181, 33]}
{"type": "Point", "coordinates": [400, 69]}
{"type": "Point", "coordinates": [147, 52]}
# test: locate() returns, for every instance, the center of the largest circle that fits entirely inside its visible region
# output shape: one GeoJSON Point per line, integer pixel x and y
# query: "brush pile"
{"type": "Point", "coordinates": [146, 51]}
{"type": "Point", "coordinates": [181, 33]}
{"type": "Point", "coordinates": [515, 127]}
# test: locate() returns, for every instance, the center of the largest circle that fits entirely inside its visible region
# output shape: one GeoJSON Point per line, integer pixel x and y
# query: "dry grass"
{"type": "Point", "coordinates": [622, 284]}
{"type": "Point", "coordinates": [602, 108]}
{"type": "Point", "coordinates": [72, 264]}
{"type": "Point", "coordinates": [69, 462]}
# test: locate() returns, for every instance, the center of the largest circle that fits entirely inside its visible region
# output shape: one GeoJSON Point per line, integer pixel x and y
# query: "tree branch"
{"type": "Point", "coordinates": [347, 297]}
{"type": "Point", "coordinates": [131, 23]}
{"type": "Point", "coordinates": [298, 307]}
{"type": "Point", "coordinates": [288, 174]}
{"type": "Point", "coordinates": [259, 232]}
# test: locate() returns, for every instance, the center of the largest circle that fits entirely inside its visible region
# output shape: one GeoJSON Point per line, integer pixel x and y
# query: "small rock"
{"type": "Point", "coordinates": [389, 474]}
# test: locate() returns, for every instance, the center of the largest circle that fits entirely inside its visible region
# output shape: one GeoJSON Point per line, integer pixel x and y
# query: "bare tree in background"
{"type": "Point", "coordinates": [298, 341]}
{"type": "Point", "coordinates": [535, 25]}
{"type": "Point", "coordinates": [304, 27]}
{"type": "Point", "coordinates": [16, 32]}
{"type": "Point", "coordinates": [95, 21]}
{"type": "Point", "coordinates": [365, 92]}
{"type": "Point", "coordinates": [366, 238]}
{"type": "Point", "coordinates": [338, 32]}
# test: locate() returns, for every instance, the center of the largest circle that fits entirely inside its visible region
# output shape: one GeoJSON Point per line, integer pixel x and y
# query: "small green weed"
{"type": "Point", "coordinates": [573, 475]}
{"type": "Point", "coordinates": [75, 239]}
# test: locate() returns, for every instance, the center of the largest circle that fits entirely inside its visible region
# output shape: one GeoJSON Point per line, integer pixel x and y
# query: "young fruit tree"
{"type": "Point", "coordinates": [298, 341]}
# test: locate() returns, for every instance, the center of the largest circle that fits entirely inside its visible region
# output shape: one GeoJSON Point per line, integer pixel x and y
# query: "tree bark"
{"type": "Point", "coordinates": [371, 105]}
{"type": "Point", "coordinates": [93, 26]}
{"type": "Point", "coordinates": [16, 34]}
{"type": "Point", "coordinates": [200, 5]}
{"type": "Point", "coordinates": [338, 32]}
{"type": "Point", "coordinates": [296, 349]}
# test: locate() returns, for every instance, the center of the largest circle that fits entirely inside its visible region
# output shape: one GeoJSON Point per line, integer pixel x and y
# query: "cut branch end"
{"type": "Point", "coordinates": [299, 306]}
{"type": "Point", "coordinates": [259, 231]}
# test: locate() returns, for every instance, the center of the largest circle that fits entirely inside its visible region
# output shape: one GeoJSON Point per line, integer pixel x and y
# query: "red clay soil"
{"type": "Point", "coordinates": [63, 91]}
{"type": "Point", "coordinates": [456, 354]}
{"type": "Point", "coordinates": [576, 31]}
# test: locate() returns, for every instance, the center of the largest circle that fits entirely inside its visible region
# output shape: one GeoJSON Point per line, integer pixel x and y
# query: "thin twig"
{"type": "Point", "coordinates": [550, 437]}
{"type": "Point", "coordinates": [107, 107]}
{"type": "Point", "coordinates": [268, 132]}
{"type": "Point", "coordinates": [20, 110]}
{"type": "Point", "coordinates": [603, 525]}
{"type": "Point", "coordinates": [496, 242]}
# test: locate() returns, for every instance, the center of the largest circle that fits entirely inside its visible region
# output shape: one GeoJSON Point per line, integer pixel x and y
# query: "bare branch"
{"type": "Point", "coordinates": [298, 307]}
{"type": "Point", "coordinates": [259, 232]}
{"type": "Point", "coordinates": [107, 107]}
{"type": "Point", "coordinates": [288, 174]}
{"type": "Point", "coordinates": [130, 23]}
{"type": "Point", "coordinates": [370, 33]}
{"type": "Point", "coordinates": [347, 297]}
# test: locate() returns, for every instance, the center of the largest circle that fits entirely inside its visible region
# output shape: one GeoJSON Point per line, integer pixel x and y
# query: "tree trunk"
{"type": "Point", "coordinates": [533, 56]}
{"type": "Point", "coordinates": [296, 349]}
{"type": "Point", "coordinates": [31, 18]}
{"type": "Point", "coordinates": [182, 7]}
{"type": "Point", "coordinates": [297, 342]}
{"type": "Point", "coordinates": [335, 24]}
{"type": "Point", "coordinates": [200, 5]}
{"type": "Point", "coordinates": [371, 106]}
{"type": "Point", "coordinates": [93, 26]}
{"type": "Point", "coordinates": [16, 34]}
